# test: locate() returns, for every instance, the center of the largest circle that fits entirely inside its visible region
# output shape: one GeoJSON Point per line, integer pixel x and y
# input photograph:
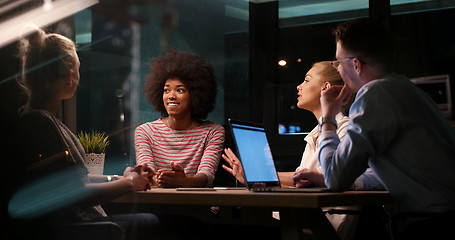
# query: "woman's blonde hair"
{"type": "Point", "coordinates": [331, 75]}
{"type": "Point", "coordinates": [45, 57]}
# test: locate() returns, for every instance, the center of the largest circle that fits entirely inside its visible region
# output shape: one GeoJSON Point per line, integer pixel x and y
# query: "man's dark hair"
{"type": "Point", "coordinates": [192, 70]}
{"type": "Point", "coordinates": [370, 39]}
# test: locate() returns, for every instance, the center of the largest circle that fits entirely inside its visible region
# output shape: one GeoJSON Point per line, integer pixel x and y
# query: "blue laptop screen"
{"type": "Point", "coordinates": [255, 154]}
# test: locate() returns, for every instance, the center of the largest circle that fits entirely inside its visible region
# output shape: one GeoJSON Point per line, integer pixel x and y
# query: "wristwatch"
{"type": "Point", "coordinates": [112, 178]}
{"type": "Point", "coordinates": [324, 120]}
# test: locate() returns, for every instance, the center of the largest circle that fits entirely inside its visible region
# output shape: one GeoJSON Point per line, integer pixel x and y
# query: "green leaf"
{"type": "Point", "coordinates": [94, 142]}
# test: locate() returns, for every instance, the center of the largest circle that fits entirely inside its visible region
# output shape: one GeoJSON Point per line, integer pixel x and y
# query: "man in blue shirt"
{"type": "Point", "coordinates": [395, 128]}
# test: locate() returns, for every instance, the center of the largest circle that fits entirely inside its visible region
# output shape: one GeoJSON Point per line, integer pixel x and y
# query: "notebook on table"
{"type": "Point", "coordinates": [254, 152]}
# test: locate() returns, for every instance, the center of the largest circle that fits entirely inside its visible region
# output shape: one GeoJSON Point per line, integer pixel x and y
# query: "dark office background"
{"type": "Point", "coordinates": [244, 53]}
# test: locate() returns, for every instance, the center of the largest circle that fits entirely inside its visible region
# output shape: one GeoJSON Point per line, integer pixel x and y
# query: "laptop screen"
{"type": "Point", "coordinates": [254, 153]}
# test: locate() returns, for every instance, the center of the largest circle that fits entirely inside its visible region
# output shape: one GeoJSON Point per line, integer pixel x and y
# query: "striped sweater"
{"type": "Point", "coordinates": [197, 150]}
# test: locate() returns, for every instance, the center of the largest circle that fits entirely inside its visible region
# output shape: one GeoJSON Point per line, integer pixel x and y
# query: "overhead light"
{"type": "Point", "coordinates": [282, 62]}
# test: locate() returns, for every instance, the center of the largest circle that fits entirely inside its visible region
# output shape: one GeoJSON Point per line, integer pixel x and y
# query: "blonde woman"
{"type": "Point", "coordinates": [321, 75]}
{"type": "Point", "coordinates": [50, 67]}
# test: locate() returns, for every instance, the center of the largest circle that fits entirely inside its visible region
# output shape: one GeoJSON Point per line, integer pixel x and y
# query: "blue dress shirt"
{"type": "Point", "coordinates": [398, 131]}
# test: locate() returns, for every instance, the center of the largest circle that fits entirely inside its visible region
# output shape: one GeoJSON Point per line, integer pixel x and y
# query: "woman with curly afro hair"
{"type": "Point", "coordinates": [181, 147]}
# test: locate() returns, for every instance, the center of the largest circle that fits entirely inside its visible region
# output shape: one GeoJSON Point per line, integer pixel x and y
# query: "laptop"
{"type": "Point", "coordinates": [254, 153]}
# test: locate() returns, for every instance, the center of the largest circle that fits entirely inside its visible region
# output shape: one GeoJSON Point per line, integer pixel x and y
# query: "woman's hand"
{"type": "Point", "coordinates": [235, 165]}
{"type": "Point", "coordinates": [174, 177]}
{"type": "Point", "coordinates": [308, 178]}
{"type": "Point", "coordinates": [141, 176]}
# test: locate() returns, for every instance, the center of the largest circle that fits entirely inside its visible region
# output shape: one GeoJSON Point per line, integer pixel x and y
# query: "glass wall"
{"type": "Point", "coordinates": [425, 40]}
{"type": "Point", "coordinates": [116, 40]}
{"type": "Point", "coordinates": [305, 37]}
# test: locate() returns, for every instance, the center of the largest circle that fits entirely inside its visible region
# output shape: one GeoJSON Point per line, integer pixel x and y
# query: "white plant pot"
{"type": "Point", "coordinates": [95, 163]}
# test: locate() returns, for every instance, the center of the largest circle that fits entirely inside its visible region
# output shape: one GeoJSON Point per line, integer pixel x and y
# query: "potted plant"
{"type": "Point", "coordinates": [95, 145]}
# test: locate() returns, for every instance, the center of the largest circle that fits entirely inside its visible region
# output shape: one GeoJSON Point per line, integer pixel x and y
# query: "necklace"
{"type": "Point", "coordinates": [187, 132]}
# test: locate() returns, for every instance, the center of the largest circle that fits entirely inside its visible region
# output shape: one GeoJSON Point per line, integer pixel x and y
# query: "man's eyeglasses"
{"type": "Point", "coordinates": [336, 63]}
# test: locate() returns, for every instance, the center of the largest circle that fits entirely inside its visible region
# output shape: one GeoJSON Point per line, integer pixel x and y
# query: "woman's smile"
{"type": "Point", "coordinates": [176, 98]}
